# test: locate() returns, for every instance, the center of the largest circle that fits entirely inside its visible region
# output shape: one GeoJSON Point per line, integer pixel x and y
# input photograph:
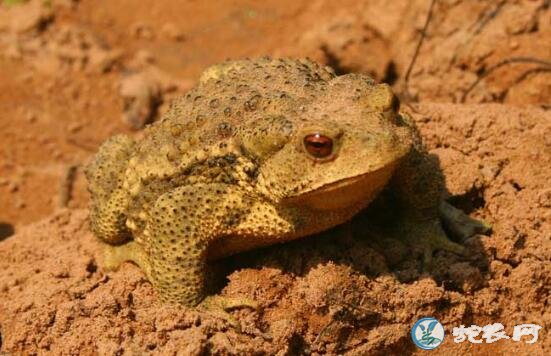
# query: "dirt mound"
{"type": "Point", "coordinates": [334, 293]}
{"type": "Point", "coordinates": [472, 52]}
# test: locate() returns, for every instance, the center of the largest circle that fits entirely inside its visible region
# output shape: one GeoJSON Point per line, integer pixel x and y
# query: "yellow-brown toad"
{"type": "Point", "coordinates": [259, 152]}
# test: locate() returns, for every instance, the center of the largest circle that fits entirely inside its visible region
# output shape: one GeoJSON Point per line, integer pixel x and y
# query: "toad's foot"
{"type": "Point", "coordinates": [220, 306]}
{"type": "Point", "coordinates": [461, 224]}
{"type": "Point", "coordinates": [114, 256]}
{"type": "Point", "coordinates": [430, 236]}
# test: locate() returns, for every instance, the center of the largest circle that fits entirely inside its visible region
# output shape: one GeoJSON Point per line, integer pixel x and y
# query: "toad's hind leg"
{"type": "Point", "coordinates": [182, 225]}
{"type": "Point", "coordinates": [109, 199]}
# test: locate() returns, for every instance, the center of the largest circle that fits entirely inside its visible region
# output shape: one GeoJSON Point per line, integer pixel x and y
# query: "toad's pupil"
{"type": "Point", "coordinates": [318, 145]}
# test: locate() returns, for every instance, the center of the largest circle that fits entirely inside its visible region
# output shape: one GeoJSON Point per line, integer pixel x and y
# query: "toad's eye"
{"type": "Point", "coordinates": [318, 145]}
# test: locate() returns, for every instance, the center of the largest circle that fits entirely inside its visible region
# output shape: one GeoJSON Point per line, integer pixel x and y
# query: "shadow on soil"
{"type": "Point", "coordinates": [6, 230]}
{"type": "Point", "coordinates": [365, 245]}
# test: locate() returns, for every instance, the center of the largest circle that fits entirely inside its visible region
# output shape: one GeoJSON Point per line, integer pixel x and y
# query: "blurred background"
{"type": "Point", "coordinates": [72, 73]}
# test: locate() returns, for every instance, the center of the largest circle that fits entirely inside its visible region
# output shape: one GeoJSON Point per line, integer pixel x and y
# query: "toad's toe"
{"type": "Point", "coordinates": [460, 224]}
{"type": "Point", "coordinates": [220, 306]}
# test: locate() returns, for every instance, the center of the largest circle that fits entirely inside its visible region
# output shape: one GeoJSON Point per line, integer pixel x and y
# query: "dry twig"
{"type": "Point", "coordinates": [66, 186]}
{"type": "Point", "coordinates": [417, 49]}
{"type": "Point", "coordinates": [546, 65]}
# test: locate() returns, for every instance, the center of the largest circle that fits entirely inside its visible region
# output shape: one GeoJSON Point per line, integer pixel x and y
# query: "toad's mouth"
{"type": "Point", "coordinates": [347, 192]}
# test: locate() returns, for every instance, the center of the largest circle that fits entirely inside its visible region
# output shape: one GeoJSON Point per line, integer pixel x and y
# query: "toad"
{"type": "Point", "coordinates": [261, 152]}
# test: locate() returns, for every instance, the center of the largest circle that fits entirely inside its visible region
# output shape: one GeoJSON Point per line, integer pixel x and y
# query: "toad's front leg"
{"type": "Point", "coordinates": [418, 184]}
{"type": "Point", "coordinates": [180, 229]}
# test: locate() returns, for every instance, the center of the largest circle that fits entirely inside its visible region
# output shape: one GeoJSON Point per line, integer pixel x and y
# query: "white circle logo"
{"type": "Point", "coordinates": [427, 333]}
